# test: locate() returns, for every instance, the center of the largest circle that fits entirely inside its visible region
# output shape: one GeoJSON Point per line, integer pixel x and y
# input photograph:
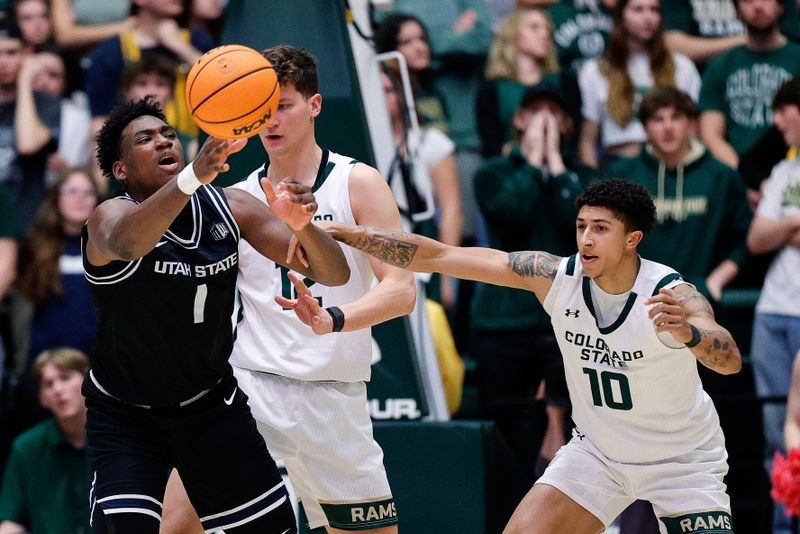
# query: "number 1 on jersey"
{"type": "Point", "coordinates": [200, 303]}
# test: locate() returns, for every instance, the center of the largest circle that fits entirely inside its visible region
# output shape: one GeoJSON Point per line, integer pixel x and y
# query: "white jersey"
{"type": "Point", "coordinates": [634, 398]}
{"type": "Point", "coordinates": [274, 340]}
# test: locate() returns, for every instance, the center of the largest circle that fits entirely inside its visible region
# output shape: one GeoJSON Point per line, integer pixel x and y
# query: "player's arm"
{"type": "Point", "coordinates": [394, 294]}
{"type": "Point", "coordinates": [791, 428]}
{"type": "Point", "coordinates": [269, 230]}
{"type": "Point", "coordinates": [688, 316]}
{"type": "Point", "coordinates": [530, 270]}
{"type": "Point", "coordinates": [122, 230]}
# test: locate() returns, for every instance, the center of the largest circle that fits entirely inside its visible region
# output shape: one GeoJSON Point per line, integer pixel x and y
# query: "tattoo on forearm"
{"type": "Point", "coordinates": [527, 264]}
{"type": "Point", "coordinates": [716, 348]}
{"type": "Point", "coordinates": [393, 251]}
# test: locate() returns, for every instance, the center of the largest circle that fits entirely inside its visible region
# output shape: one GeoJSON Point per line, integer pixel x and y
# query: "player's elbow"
{"type": "Point", "coordinates": [734, 363]}
{"type": "Point", "coordinates": [335, 277]}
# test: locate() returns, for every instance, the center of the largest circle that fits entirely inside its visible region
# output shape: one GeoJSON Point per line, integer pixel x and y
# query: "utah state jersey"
{"type": "Point", "coordinates": [164, 320]}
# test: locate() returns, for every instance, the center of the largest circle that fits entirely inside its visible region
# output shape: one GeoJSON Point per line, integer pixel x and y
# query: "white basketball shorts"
{"type": "Point", "coordinates": [323, 434]}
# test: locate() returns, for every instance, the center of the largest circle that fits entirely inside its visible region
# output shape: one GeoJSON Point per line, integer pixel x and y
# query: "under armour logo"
{"type": "Point", "coordinates": [571, 313]}
{"type": "Point", "coordinates": [219, 231]}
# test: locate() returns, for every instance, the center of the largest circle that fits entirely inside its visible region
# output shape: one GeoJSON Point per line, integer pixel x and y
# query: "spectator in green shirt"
{"type": "Point", "coordinates": [46, 481]}
{"type": "Point", "coordinates": [738, 86]}
{"type": "Point", "coordinates": [702, 211]}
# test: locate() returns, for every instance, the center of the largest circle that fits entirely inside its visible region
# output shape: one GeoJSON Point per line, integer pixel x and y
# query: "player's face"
{"type": "Point", "coordinates": [642, 18]}
{"type": "Point", "coordinates": [601, 240]}
{"type": "Point", "coordinates": [759, 15]}
{"type": "Point", "coordinates": [151, 83]}
{"type": "Point", "coordinates": [76, 198]}
{"type": "Point", "coordinates": [150, 154]}
{"type": "Point", "coordinates": [292, 127]}
{"type": "Point", "coordinates": [411, 42]}
{"type": "Point", "coordinates": [10, 60]}
{"type": "Point", "coordinates": [668, 131]}
{"type": "Point", "coordinates": [534, 37]}
{"type": "Point", "coordinates": [34, 21]}
{"type": "Point", "coordinates": [787, 121]}
{"type": "Point", "coordinates": [60, 391]}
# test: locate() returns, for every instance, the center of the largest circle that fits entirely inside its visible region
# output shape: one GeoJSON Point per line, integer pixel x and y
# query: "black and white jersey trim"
{"type": "Point", "coordinates": [224, 210]}
{"type": "Point", "coordinates": [197, 219]}
{"type": "Point", "coordinates": [126, 271]}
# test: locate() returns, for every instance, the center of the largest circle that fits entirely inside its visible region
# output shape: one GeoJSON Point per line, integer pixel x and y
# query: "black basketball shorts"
{"type": "Point", "coordinates": [214, 444]}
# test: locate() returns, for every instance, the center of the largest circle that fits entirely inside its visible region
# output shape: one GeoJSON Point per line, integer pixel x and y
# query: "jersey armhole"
{"type": "Point", "coordinates": [565, 268]}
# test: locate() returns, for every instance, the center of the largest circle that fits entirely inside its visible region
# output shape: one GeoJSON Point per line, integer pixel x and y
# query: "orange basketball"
{"type": "Point", "coordinates": [232, 92]}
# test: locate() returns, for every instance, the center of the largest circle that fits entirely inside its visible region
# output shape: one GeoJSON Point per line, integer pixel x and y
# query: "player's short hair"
{"type": "Point", "coordinates": [788, 94]}
{"type": "Point", "coordinates": [662, 97]}
{"type": "Point", "coordinates": [64, 358]}
{"type": "Point", "coordinates": [387, 32]}
{"type": "Point", "coordinates": [157, 64]}
{"type": "Point", "coordinates": [294, 66]}
{"type": "Point", "coordinates": [108, 138]}
{"type": "Point", "coordinates": [630, 202]}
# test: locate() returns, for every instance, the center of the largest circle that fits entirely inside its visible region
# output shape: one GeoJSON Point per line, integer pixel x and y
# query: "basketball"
{"type": "Point", "coordinates": [232, 92]}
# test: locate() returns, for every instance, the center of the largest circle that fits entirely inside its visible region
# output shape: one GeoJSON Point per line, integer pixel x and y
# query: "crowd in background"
{"type": "Point", "coordinates": [517, 106]}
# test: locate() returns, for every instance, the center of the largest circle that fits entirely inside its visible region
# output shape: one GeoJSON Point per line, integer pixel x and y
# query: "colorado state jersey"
{"type": "Point", "coordinates": [636, 399]}
{"type": "Point", "coordinates": [164, 320]}
{"type": "Point", "coordinates": [272, 339]}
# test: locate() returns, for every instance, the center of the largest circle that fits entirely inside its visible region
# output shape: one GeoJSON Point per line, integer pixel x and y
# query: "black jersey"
{"type": "Point", "coordinates": [164, 329]}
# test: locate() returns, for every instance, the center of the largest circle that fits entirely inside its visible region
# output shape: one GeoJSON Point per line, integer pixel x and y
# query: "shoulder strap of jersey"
{"type": "Point", "coordinates": [571, 261]}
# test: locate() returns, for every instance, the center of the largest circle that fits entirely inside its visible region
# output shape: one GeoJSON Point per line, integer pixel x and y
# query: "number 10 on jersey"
{"type": "Point", "coordinates": [606, 395]}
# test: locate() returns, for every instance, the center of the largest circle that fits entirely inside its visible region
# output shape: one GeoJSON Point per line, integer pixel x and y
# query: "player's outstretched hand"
{"type": "Point", "coordinates": [307, 308]}
{"type": "Point", "coordinates": [212, 157]}
{"type": "Point", "coordinates": [291, 201]}
{"type": "Point", "coordinates": [669, 316]}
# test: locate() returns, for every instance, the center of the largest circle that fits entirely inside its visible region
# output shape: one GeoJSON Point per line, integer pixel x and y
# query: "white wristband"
{"type": "Point", "coordinates": [187, 180]}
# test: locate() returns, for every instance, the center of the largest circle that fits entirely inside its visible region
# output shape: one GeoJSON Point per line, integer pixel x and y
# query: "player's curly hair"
{"type": "Point", "coordinates": [108, 138]}
{"type": "Point", "coordinates": [629, 201]}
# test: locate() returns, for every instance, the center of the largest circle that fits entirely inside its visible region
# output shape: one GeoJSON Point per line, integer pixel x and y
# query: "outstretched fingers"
{"type": "Point", "coordinates": [283, 302]}
{"type": "Point", "coordinates": [296, 250]}
{"type": "Point", "coordinates": [301, 288]}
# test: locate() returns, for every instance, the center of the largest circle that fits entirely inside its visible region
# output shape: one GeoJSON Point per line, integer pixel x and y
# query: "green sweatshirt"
{"type": "Point", "coordinates": [524, 209]}
{"type": "Point", "coordinates": [702, 210]}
